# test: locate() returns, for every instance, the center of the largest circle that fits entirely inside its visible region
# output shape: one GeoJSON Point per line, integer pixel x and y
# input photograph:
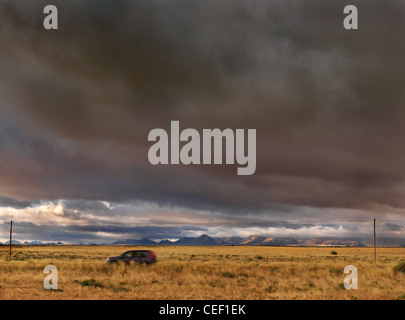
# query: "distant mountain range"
{"type": "Point", "coordinates": [136, 242]}
{"type": "Point", "coordinates": [205, 240]}
{"type": "Point", "coordinates": [32, 243]}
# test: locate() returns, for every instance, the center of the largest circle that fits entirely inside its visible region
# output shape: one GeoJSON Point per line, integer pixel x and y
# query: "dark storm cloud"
{"type": "Point", "coordinates": [109, 233]}
{"type": "Point", "coordinates": [393, 227]}
{"type": "Point", "coordinates": [13, 203]}
{"type": "Point", "coordinates": [327, 103]}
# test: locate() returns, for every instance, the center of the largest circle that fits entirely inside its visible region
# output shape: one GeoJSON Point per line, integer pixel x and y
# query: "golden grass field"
{"type": "Point", "coordinates": [202, 273]}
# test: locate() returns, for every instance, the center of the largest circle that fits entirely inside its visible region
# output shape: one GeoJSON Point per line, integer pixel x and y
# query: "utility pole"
{"type": "Point", "coordinates": [375, 252]}
{"type": "Point", "coordinates": [11, 231]}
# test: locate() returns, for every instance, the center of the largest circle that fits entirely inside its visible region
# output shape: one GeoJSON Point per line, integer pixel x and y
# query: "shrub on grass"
{"type": "Point", "coordinates": [271, 288]}
{"type": "Point", "coordinates": [400, 267]}
{"type": "Point", "coordinates": [91, 283]}
{"type": "Point", "coordinates": [341, 286]}
{"type": "Point", "coordinates": [121, 289]}
{"type": "Point", "coordinates": [228, 274]}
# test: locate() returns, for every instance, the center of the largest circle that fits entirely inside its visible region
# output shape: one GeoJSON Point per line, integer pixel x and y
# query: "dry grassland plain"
{"type": "Point", "coordinates": [199, 273]}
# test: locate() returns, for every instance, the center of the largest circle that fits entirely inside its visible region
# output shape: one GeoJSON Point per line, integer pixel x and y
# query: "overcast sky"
{"type": "Point", "coordinates": [77, 104]}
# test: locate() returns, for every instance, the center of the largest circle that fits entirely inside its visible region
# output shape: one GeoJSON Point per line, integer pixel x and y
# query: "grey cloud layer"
{"type": "Point", "coordinates": [328, 104]}
{"type": "Point", "coordinates": [75, 234]}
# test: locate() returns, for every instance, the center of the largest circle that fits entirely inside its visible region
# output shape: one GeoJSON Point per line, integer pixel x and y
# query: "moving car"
{"type": "Point", "coordinates": [135, 256]}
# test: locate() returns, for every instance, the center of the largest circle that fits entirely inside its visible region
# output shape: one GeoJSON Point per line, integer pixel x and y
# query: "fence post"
{"type": "Point", "coordinates": [11, 231]}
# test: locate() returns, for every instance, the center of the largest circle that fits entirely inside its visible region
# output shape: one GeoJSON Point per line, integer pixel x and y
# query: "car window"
{"type": "Point", "coordinates": [127, 255]}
